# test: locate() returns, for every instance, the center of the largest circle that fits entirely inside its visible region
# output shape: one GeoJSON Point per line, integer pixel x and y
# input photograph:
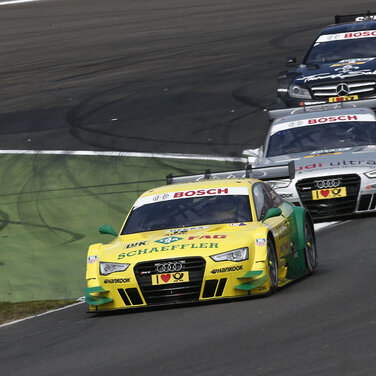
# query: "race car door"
{"type": "Point", "coordinates": [280, 226]}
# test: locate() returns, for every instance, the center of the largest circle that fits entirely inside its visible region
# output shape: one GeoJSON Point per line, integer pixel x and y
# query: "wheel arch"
{"type": "Point", "coordinates": [300, 215]}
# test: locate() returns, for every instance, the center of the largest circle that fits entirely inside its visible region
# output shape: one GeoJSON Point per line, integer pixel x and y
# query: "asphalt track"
{"type": "Point", "coordinates": [178, 76]}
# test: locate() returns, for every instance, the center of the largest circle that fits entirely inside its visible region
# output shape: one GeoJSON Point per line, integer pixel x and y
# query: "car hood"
{"type": "Point", "coordinates": [349, 69]}
{"type": "Point", "coordinates": [360, 159]}
{"type": "Point", "coordinates": [184, 242]}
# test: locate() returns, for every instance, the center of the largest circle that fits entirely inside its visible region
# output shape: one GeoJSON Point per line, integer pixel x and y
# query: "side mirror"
{"type": "Point", "coordinates": [272, 212]}
{"type": "Point", "coordinates": [107, 229]}
{"type": "Point", "coordinates": [253, 155]}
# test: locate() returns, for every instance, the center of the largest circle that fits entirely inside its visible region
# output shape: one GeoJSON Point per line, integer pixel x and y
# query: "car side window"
{"type": "Point", "coordinates": [276, 198]}
{"type": "Point", "coordinates": [262, 200]}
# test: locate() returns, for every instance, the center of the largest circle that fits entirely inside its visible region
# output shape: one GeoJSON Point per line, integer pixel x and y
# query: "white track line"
{"type": "Point", "coordinates": [15, 2]}
{"type": "Point", "coordinates": [79, 301]}
{"type": "Point", "coordinates": [128, 154]}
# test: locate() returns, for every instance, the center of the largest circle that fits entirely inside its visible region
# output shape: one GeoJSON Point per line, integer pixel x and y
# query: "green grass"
{"type": "Point", "coordinates": [14, 311]}
{"type": "Point", "coordinates": [51, 207]}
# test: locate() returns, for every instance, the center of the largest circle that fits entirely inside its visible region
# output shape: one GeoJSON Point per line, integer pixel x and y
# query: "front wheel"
{"type": "Point", "coordinates": [272, 265]}
{"type": "Point", "coordinates": [309, 247]}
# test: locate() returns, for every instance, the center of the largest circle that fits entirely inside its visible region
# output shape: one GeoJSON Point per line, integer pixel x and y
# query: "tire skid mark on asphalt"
{"type": "Point", "coordinates": [278, 42]}
{"type": "Point", "coordinates": [89, 186]}
{"type": "Point", "coordinates": [25, 212]}
{"type": "Point", "coordinates": [75, 235]}
{"type": "Point", "coordinates": [5, 219]}
{"type": "Point", "coordinates": [97, 196]}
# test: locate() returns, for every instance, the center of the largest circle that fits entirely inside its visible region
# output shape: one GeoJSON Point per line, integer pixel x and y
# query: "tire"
{"type": "Point", "coordinates": [272, 265]}
{"type": "Point", "coordinates": [310, 252]}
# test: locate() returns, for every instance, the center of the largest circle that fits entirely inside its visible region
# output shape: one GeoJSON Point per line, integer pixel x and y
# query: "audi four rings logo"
{"type": "Point", "coordinates": [168, 267]}
{"type": "Point", "coordinates": [330, 183]}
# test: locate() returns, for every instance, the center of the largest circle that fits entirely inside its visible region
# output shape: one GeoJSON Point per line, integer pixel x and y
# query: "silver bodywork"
{"type": "Point", "coordinates": [325, 169]}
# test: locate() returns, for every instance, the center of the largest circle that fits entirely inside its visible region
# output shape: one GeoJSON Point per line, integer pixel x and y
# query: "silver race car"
{"type": "Point", "coordinates": [334, 152]}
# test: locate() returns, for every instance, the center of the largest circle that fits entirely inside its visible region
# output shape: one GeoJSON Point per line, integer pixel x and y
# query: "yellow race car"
{"type": "Point", "coordinates": [203, 240]}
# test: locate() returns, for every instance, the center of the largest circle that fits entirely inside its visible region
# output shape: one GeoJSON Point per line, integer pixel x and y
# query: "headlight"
{"type": "Point", "coordinates": [275, 184]}
{"type": "Point", "coordinates": [371, 174]}
{"type": "Point", "coordinates": [106, 268]}
{"type": "Point", "coordinates": [236, 255]}
{"type": "Point", "coordinates": [296, 91]}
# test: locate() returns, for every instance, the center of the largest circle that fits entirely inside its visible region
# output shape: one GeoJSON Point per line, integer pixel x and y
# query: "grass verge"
{"type": "Point", "coordinates": [15, 311]}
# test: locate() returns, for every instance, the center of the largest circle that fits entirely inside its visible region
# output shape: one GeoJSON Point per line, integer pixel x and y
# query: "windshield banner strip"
{"type": "Point", "coordinates": [345, 36]}
{"type": "Point", "coordinates": [320, 120]}
{"type": "Point", "coordinates": [217, 191]}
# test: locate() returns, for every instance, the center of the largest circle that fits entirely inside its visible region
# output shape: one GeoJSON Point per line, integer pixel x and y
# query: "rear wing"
{"type": "Point", "coordinates": [273, 172]}
{"type": "Point", "coordinates": [365, 103]}
{"type": "Point", "coordinates": [368, 16]}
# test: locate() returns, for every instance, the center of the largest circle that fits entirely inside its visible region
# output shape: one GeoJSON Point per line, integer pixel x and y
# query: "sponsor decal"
{"type": "Point", "coordinates": [321, 194]}
{"type": "Point", "coordinates": [168, 240]}
{"type": "Point", "coordinates": [343, 98]}
{"type": "Point", "coordinates": [117, 280]}
{"type": "Point", "coordinates": [92, 259]}
{"type": "Point", "coordinates": [227, 269]}
{"type": "Point", "coordinates": [372, 186]}
{"type": "Point", "coordinates": [321, 155]}
{"type": "Point", "coordinates": [161, 279]}
{"type": "Point", "coordinates": [330, 150]}
{"type": "Point", "coordinates": [362, 18]}
{"type": "Point", "coordinates": [166, 248]}
{"type": "Point", "coordinates": [208, 237]}
{"type": "Point", "coordinates": [238, 224]}
{"type": "Point", "coordinates": [339, 75]}
{"type": "Point", "coordinates": [262, 288]}
{"type": "Point", "coordinates": [182, 231]}
{"type": "Point", "coordinates": [191, 193]}
{"type": "Point", "coordinates": [320, 120]}
{"type": "Point", "coordinates": [286, 195]}
{"type": "Point", "coordinates": [356, 61]}
{"type": "Point", "coordinates": [163, 197]}
{"type": "Point", "coordinates": [202, 192]}
{"type": "Point", "coordinates": [309, 167]}
{"type": "Point", "coordinates": [353, 163]}
{"type": "Point", "coordinates": [333, 119]}
{"type": "Point", "coordinates": [311, 103]}
{"type": "Point", "coordinates": [345, 36]}
{"type": "Point", "coordinates": [261, 242]}
{"type": "Point", "coordinates": [137, 244]}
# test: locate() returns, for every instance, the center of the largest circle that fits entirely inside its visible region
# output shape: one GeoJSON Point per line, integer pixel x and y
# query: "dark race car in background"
{"type": "Point", "coordinates": [340, 65]}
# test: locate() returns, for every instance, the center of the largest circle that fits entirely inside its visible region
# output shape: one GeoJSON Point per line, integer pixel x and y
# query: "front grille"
{"type": "Point", "coordinates": [360, 88]}
{"type": "Point", "coordinates": [172, 292]}
{"type": "Point", "coordinates": [330, 207]}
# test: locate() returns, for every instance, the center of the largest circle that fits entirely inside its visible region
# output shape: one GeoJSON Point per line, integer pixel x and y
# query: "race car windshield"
{"type": "Point", "coordinates": [324, 52]}
{"type": "Point", "coordinates": [322, 137]}
{"type": "Point", "coordinates": [188, 212]}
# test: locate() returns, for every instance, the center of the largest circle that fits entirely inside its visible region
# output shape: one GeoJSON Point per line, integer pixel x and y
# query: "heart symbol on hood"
{"type": "Point", "coordinates": [165, 277]}
{"type": "Point", "coordinates": [325, 192]}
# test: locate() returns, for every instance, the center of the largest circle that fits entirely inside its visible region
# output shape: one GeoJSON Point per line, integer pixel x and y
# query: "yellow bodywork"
{"type": "Point", "coordinates": [224, 279]}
